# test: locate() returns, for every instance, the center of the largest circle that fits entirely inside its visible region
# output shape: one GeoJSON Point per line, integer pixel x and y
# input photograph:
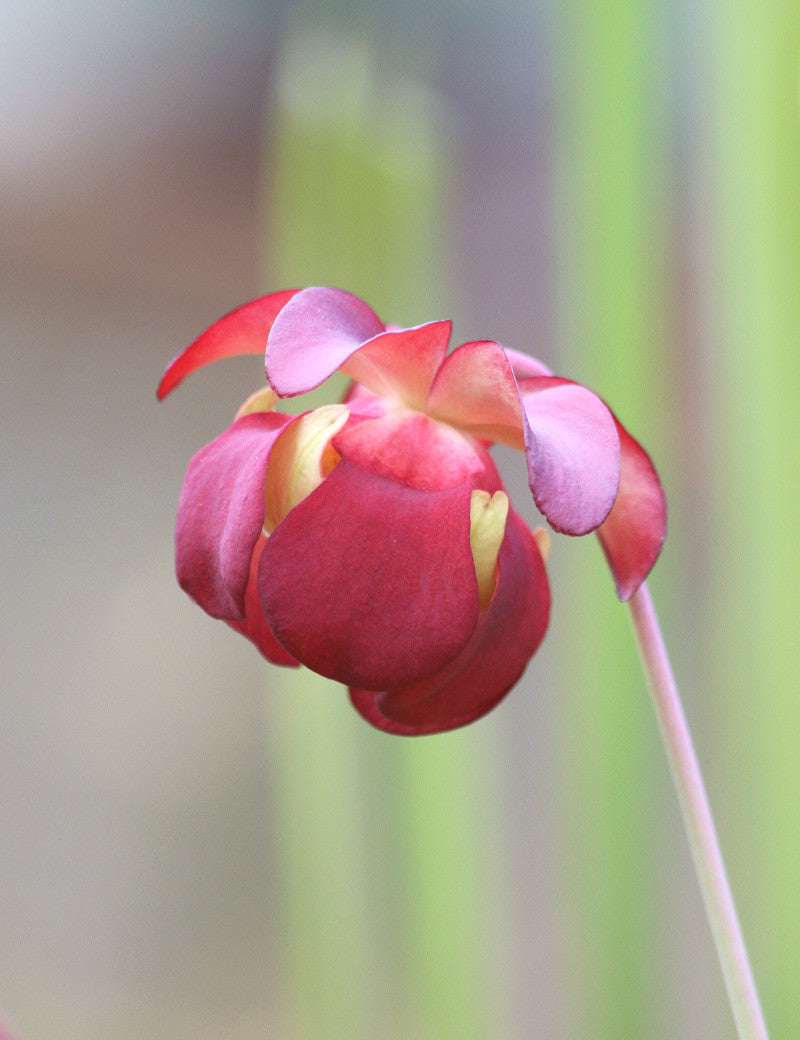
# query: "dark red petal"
{"type": "Point", "coordinates": [635, 529]}
{"type": "Point", "coordinates": [371, 582]}
{"type": "Point", "coordinates": [573, 453]}
{"type": "Point", "coordinates": [243, 331]}
{"type": "Point", "coordinates": [313, 335]}
{"type": "Point", "coordinates": [255, 627]}
{"type": "Point", "coordinates": [505, 638]}
{"type": "Point", "coordinates": [221, 512]}
{"type": "Point", "coordinates": [412, 449]}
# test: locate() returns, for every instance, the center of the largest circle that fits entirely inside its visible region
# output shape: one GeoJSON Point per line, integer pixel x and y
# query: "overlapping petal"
{"type": "Point", "coordinates": [371, 582]}
{"type": "Point", "coordinates": [242, 331]}
{"type": "Point", "coordinates": [254, 625]}
{"type": "Point", "coordinates": [413, 449]}
{"type": "Point", "coordinates": [475, 390]}
{"type": "Point", "coordinates": [573, 453]}
{"type": "Point", "coordinates": [401, 363]}
{"type": "Point", "coordinates": [634, 531]}
{"type": "Point", "coordinates": [505, 638]}
{"type": "Point", "coordinates": [220, 514]}
{"type": "Point", "coordinates": [314, 334]}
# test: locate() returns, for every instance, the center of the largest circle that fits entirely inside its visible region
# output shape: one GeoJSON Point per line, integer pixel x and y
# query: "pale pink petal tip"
{"type": "Point", "coordinates": [314, 334]}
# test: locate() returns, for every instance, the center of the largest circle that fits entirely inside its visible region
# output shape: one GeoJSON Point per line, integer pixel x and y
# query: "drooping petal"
{"type": "Point", "coordinates": [371, 582]}
{"type": "Point", "coordinates": [505, 638]}
{"type": "Point", "coordinates": [243, 331]}
{"type": "Point", "coordinates": [313, 335]}
{"type": "Point", "coordinates": [413, 449]}
{"type": "Point", "coordinates": [475, 390]}
{"type": "Point", "coordinates": [573, 453]}
{"type": "Point", "coordinates": [401, 363]}
{"type": "Point", "coordinates": [254, 626]}
{"type": "Point", "coordinates": [633, 533]}
{"type": "Point", "coordinates": [220, 514]}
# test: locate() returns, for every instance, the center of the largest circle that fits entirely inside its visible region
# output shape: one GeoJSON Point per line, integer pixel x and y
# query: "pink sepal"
{"type": "Point", "coordinates": [573, 453]}
{"type": "Point", "coordinates": [242, 331]}
{"type": "Point", "coordinates": [370, 582]}
{"type": "Point", "coordinates": [505, 638]}
{"type": "Point", "coordinates": [634, 531]}
{"type": "Point", "coordinates": [314, 334]}
{"type": "Point", "coordinates": [221, 512]}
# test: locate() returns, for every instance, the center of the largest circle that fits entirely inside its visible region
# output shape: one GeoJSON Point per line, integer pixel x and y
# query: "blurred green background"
{"type": "Point", "coordinates": [196, 844]}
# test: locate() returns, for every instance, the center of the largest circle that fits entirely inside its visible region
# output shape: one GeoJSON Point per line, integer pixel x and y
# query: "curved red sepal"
{"type": "Point", "coordinates": [242, 331]}
{"type": "Point", "coordinates": [221, 512]}
{"type": "Point", "coordinates": [573, 453]}
{"type": "Point", "coordinates": [507, 635]}
{"type": "Point", "coordinates": [635, 529]}
{"type": "Point", "coordinates": [313, 335]}
{"type": "Point", "coordinates": [254, 626]}
{"type": "Point", "coordinates": [370, 582]}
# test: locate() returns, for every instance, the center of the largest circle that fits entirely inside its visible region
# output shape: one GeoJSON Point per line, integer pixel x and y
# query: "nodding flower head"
{"type": "Point", "coordinates": [372, 540]}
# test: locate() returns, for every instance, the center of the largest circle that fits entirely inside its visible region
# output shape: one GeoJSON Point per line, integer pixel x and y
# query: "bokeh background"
{"type": "Point", "coordinates": [196, 844]}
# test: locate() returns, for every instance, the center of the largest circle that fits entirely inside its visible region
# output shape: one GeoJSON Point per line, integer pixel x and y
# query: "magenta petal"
{"type": "Point", "coordinates": [370, 582]}
{"type": "Point", "coordinates": [254, 626]}
{"type": "Point", "coordinates": [573, 453]}
{"type": "Point", "coordinates": [221, 512]}
{"type": "Point", "coordinates": [243, 331]}
{"type": "Point", "coordinates": [634, 531]}
{"type": "Point", "coordinates": [505, 638]}
{"type": "Point", "coordinates": [313, 335]}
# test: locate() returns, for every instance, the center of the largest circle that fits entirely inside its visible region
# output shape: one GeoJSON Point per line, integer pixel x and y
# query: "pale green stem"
{"type": "Point", "coordinates": [698, 821]}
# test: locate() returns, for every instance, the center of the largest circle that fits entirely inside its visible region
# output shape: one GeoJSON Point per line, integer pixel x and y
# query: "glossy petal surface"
{"type": "Point", "coordinates": [475, 390]}
{"type": "Point", "coordinates": [573, 453]}
{"type": "Point", "coordinates": [505, 638]}
{"type": "Point", "coordinates": [220, 514]}
{"type": "Point", "coordinates": [635, 529]}
{"type": "Point", "coordinates": [243, 331]}
{"type": "Point", "coordinates": [314, 334]}
{"type": "Point", "coordinates": [370, 582]}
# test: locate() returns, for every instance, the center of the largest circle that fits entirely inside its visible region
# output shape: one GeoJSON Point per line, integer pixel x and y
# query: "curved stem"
{"type": "Point", "coordinates": [698, 821]}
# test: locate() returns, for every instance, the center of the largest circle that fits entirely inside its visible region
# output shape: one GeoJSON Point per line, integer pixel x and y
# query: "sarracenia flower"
{"type": "Point", "coordinates": [373, 540]}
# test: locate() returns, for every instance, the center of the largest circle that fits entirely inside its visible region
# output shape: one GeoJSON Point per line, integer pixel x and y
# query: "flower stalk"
{"type": "Point", "coordinates": [698, 821]}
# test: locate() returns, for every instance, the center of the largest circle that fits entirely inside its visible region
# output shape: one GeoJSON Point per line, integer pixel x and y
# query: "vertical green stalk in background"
{"type": "Point", "coordinates": [375, 834]}
{"type": "Point", "coordinates": [755, 183]}
{"type": "Point", "coordinates": [610, 238]}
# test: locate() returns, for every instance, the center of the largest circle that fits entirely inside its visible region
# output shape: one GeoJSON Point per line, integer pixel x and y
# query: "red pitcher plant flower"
{"type": "Point", "coordinates": [373, 540]}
